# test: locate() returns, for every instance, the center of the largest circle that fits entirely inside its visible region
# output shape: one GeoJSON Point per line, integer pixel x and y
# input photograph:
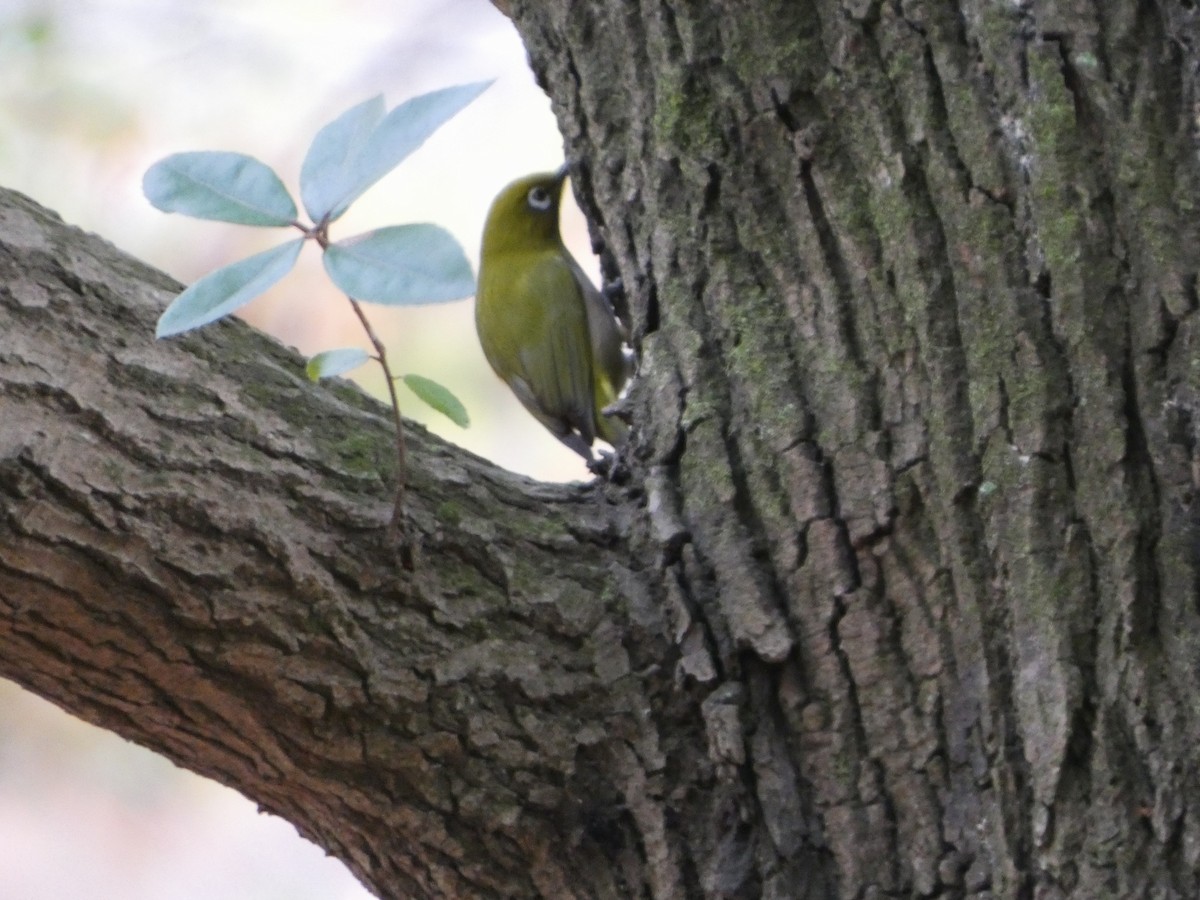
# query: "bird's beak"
{"type": "Point", "coordinates": [562, 171]}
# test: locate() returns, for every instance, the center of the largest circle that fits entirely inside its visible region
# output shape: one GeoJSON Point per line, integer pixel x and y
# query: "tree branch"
{"type": "Point", "coordinates": [193, 554]}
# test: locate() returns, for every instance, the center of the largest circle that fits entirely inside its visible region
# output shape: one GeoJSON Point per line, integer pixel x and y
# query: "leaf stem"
{"type": "Point", "coordinates": [319, 233]}
{"type": "Point", "coordinates": [397, 524]}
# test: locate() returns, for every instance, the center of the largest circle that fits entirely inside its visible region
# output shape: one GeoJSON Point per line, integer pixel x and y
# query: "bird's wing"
{"type": "Point", "coordinates": [556, 362]}
{"type": "Point", "coordinates": [610, 362]}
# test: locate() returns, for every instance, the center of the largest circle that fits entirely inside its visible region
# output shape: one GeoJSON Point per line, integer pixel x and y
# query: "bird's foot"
{"type": "Point", "coordinates": [609, 466]}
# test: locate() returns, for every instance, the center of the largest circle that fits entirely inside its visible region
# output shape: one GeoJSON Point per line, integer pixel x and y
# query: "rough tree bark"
{"type": "Point", "coordinates": [903, 598]}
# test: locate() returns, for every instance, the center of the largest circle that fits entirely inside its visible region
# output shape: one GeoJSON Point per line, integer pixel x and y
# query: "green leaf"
{"type": "Point", "coordinates": [328, 176]}
{"type": "Point", "coordinates": [329, 363]}
{"type": "Point", "coordinates": [353, 164]}
{"type": "Point", "coordinates": [439, 397]}
{"type": "Point", "coordinates": [228, 187]}
{"type": "Point", "coordinates": [403, 265]}
{"type": "Point", "coordinates": [219, 293]}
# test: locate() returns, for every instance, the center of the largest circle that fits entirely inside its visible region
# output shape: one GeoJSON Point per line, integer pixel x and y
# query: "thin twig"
{"type": "Point", "coordinates": [320, 233]}
{"type": "Point", "coordinates": [397, 524]}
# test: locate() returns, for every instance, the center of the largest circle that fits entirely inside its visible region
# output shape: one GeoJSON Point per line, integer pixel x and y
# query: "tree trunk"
{"type": "Point", "coordinates": [902, 599]}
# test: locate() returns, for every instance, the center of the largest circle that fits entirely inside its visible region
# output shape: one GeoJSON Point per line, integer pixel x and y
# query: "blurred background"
{"type": "Point", "coordinates": [92, 92]}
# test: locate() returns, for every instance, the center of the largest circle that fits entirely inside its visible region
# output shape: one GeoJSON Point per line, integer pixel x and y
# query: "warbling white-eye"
{"type": "Point", "coordinates": [545, 329]}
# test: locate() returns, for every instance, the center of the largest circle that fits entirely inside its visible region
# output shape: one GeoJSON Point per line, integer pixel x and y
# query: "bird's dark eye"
{"type": "Point", "coordinates": [539, 198]}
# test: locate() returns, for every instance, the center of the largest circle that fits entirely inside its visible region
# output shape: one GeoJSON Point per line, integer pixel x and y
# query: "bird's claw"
{"type": "Point", "coordinates": [609, 466]}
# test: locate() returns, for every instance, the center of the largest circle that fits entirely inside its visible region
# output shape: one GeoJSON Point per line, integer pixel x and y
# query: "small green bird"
{"type": "Point", "coordinates": [545, 329]}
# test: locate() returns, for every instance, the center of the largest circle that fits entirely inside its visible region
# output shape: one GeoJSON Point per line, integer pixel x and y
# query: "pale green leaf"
{"type": "Point", "coordinates": [329, 363]}
{"type": "Point", "coordinates": [228, 187]}
{"type": "Point", "coordinates": [400, 132]}
{"type": "Point", "coordinates": [220, 293]}
{"type": "Point", "coordinates": [439, 397]}
{"type": "Point", "coordinates": [403, 265]}
{"type": "Point", "coordinates": [330, 173]}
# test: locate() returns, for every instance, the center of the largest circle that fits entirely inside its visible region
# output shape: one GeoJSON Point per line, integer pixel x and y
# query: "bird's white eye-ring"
{"type": "Point", "coordinates": [539, 198]}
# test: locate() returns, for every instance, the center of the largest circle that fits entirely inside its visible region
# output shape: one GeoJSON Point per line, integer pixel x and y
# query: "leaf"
{"type": "Point", "coordinates": [439, 397]}
{"type": "Point", "coordinates": [402, 265]}
{"type": "Point", "coordinates": [228, 187]}
{"type": "Point", "coordinates": [394, 138]}
{"type": "Point", "coordinates": [219, 293]}
{"type": "Point", "coordinates": [329, 363]}
{"type": "Point", "coordinates": [328, 175]}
